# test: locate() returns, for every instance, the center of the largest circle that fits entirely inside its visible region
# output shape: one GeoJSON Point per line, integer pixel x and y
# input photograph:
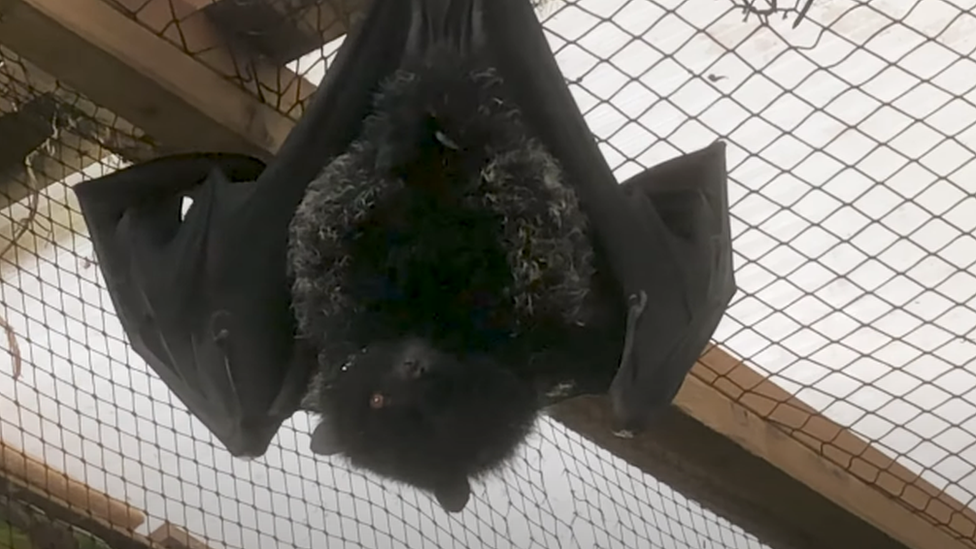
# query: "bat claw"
{"type": "Point", "coordinates": [446, 141]}
{"type": "Point", "coordinates": [638, 302]}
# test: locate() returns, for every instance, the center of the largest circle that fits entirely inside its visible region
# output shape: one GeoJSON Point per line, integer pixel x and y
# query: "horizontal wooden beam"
{"type": "Point", "coordinates": [26, 479]}
{"type": "Point", "coordinates": [118, 63]}
{"type": "Point", "coordinates": [751, 452]}
{"type": "Point", "coordinates": [65, 157]}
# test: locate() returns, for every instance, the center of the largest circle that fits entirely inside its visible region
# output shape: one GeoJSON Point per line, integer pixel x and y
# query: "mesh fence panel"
{"type": "Point", "coordinates": [852, 177]}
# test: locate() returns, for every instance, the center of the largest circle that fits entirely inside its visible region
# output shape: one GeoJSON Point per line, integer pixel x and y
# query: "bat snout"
{"type": "Point", "coordinates": [415, 359]}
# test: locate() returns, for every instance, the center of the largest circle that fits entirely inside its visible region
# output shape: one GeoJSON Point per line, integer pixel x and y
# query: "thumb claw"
{"type": "Point", "coordinates": [638, 302]}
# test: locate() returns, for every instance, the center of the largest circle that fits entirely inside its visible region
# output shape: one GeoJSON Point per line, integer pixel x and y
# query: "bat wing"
{"type": "Point", "coordinates": [685, 197]}
{"type": "Point", "coordinates": [205, 298]}
{"type": "Point", "coordinates": [677, 281]}
{"type": "Point", "coordinates": [178, 286]}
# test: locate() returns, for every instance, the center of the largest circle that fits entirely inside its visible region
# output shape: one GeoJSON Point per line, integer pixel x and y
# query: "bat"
{"type": "Point", "coordinates": [407, 410]}
{"type": "Point", "coordinates": [429, 393]}
{"type": "Point", "coordinates": [206, 298]}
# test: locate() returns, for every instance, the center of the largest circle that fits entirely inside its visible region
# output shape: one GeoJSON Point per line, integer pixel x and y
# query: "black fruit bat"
{"type": "Point", "coordinates": [207, 299]}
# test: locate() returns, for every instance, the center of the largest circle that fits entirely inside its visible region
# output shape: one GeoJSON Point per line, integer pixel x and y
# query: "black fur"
{"type": "Point", "coordinates": [403, 235]}
{"type": "Point", "coordinates": [445, 227]}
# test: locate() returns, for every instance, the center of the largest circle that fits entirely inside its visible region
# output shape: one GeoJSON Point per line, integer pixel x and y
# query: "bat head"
{"type": "Point", "coordinates": [410, 412]}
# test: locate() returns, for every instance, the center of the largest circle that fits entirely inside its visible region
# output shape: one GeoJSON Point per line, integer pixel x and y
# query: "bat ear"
{"type": "Point", "coordinates": [325, 441]}
{"type": "Point", "coordinates": [453, 496]}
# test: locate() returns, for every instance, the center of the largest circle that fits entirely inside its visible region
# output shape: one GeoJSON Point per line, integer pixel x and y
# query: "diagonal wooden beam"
{"type": "Point", "coordinates": [58, 509]}
{"type": "Point", "coordinates": [116, 62]}
{"type": "Point", "coordinates": [24, 129]}
{"type": "Point", "coordinates": [753, 453]}
{"type": "Point", "coordinates": [284, 31]}
{"type": "Point", "coordinates": [172, 536]}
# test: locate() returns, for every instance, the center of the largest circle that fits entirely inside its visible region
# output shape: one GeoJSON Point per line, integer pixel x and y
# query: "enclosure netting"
{"type": "Point", "coordinates": [852, 177]}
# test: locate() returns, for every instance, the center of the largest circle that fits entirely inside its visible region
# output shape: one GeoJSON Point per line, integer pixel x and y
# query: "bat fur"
{"type": "Point", "coordinates": [445, 227]}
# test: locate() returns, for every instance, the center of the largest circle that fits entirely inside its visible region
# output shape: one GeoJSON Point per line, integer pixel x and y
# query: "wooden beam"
{"type": "Point", "coordinates": [30, 470]}
{"type": "Point", "coordinates": [67, 156]}
{"type": "Point", "coordinates": [838, 446]}
{"type": "Point", "coordinates": [116, 62]}
{"type": "Point", "coordinates": [187, 25]}
{"type": "Point", "coordinates": [732, 453]}
{"type": "Point", "coordinates": [284, 31]}
{"type": "Point", "coordinates": [55, 508]}
{"type": "Point", "coordinates": [25, 129]}
{"type": "Point", "coordinates": [36, 103]}
{"type": "Point", "coordinates": [171, 536]}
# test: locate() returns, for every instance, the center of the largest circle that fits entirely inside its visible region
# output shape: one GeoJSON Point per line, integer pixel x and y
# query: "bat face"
{"type": "Point", "coordinates": [408, 411]}
{"type": "Point", "coordinates": [405, 381]}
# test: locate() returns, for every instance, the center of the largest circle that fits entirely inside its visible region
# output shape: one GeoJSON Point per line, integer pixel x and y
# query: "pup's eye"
{"type": "Point", "coordinates": [377, 401]}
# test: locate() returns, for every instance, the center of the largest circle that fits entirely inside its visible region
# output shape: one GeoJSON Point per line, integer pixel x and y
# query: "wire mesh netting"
{"type": "Point", "coordinates": [852, 181]}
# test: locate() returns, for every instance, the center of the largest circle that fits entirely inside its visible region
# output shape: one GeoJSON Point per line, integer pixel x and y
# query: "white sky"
{"type": "Point", "coordinates": [853, 218]}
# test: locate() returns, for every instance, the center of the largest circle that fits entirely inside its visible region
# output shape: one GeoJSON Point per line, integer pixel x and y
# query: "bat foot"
{"type": "Point", "coordinates": [638, 302]}
{"type": "Point", "coordinates": [623, 433]}
{"type": "Point", "coordinates": [626, 422]}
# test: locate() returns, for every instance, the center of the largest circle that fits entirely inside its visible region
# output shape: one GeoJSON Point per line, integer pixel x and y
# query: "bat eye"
{"type": "Point", "coordinates": [377, 401]}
